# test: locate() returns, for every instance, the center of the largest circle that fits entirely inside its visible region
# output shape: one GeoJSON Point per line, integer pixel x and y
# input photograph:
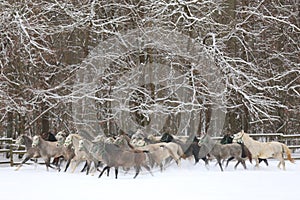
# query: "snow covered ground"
{"type": "Point", "coordinates": [187, 182]}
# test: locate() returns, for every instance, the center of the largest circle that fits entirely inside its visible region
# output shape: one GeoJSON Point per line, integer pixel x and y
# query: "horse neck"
{"type": "Point", "coordinates": [216, 147]}
{"type": "Point", "coordinates": [27, 141]}
{"type": "Point", "coordinates": [87, 144]}
{"type": "Point", "coordinates": [75, 140]}
{"type": "Point", "coordinates": [100, 147]}
{"type": "Point", "coordinates": [247, 139]}
{"type": "Point", "coordinates": [41, 143]}
{"type": "Point", "coordinates": [127, 142]}
{"type": "Point", "coordinates": [111, 148]}
{"type": "Point", "coordinates": [211, 145]}
{"type": "Point", "coordinates": [209, 141]}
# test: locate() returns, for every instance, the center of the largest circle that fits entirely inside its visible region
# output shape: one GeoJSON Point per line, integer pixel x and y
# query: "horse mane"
{"type": "Point", "coordinates": [126, 137]}
{"type": "Point", "coordinates": [62, 133]}
{"type": "Point", "coordinates": [77, 136]}
{"type": "Point", "coordinates": [26, 137]}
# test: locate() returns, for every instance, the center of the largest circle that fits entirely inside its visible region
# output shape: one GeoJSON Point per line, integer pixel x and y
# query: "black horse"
{"type": "Point", "coordinates": [48, 136]}
{"type": "Point", "coordinates": [192, 149]}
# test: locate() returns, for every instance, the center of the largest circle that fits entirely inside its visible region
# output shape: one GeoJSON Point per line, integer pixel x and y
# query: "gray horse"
{"type": "Point", "coordinates": [115, 156]}
{"type": "Point", "coordinates": [31, 152]}
{"type": "Point", "coordinates": [222, 151]}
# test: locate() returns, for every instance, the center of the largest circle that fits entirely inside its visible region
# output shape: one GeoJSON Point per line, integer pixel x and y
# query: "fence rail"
{"type": "Point", "coordinates": [7, 145]}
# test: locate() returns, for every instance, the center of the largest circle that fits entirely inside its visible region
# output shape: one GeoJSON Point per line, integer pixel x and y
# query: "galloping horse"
{"type": "Point", "coordinates": [264, 149]}
{"type": "Point", "coordinates": [31, 152]}
{"type": "Point", "coordinates": [47, 149]}
{"type": "Point", "coordinates": [228, 139]}
{"type": "Point", "coordinates": [223, 151]}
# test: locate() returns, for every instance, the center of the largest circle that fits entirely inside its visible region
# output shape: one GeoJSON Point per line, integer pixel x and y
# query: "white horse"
{"type": "Point", "coordinates": [72, 141]}
{"type": "Point", "coordinates": [264, 149]}
{"type": "Point", "coordinates": [47, 150]}
{"type": "Point", "coordinates": [160, 152]}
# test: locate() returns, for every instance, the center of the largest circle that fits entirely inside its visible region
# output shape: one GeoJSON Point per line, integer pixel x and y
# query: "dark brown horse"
{"type": "Point", "coordinates": [193, 150]}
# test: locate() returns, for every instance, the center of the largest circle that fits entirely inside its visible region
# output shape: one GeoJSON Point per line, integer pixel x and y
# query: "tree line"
{"type": "Point", "coordinates": [48, 51]}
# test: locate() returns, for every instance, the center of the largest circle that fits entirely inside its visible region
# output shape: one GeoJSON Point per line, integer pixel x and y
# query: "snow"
{"type": "Point", "coordinates": [186, 181]}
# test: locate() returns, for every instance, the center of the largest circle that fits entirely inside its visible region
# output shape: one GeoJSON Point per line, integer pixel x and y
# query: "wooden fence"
{"type": "Point", "coordinates": [7, 145]}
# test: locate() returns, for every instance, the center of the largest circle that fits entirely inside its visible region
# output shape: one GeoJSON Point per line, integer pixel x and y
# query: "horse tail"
{"type": "Point", "coordinates": [128, 141]}
{"type": "Point", "coordinates": [171, 153]}
{"type": "Point", "coordinates": [246, 152]}
{"type": "Point", "coordinates": [288, 153]}
{"type": "Point", "coordinates": [180, 151]}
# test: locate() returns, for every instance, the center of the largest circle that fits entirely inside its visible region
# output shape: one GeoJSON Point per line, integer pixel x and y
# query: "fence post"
{"type": "Point", "coordinates": [11, 153]}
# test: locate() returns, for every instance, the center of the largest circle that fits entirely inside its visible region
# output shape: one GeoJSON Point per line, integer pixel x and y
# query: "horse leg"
{"type": "Point", "coordinates": [228, 160]}
{"type": "Point", "coordinates": [84, 167]}
{"type": "Point", "coordinates": [220, 164]}
{"type": "Point", "coordinates": [24, 161]}
{"type": "Point", "coordinates": [283, 164]}
{"type": "Point", "coordinates": [88, 167]}
{"type": "Point", "coordinates": [257, 162]}
{"type": "Point", "coordinates": [60, 161]}
{"type": "Point", "coordinates": [67, 165]}
{"type": "Point", "coordinates": [266, 161]}
{"type": "Point", "coordinates": [148, 169]}
{"type": "Point", "coordinates": [205, 160]}
{"type": "Point", "coordinates": [178, 162]}
{"type": "Point", "coordinates": [47, 162]}
{"type": "Point", "coordinates": [108, 170]}
{"type": "Point", "coordinates": [116, 172]}
{"type": "Point", "coordinates": [161, 166]}
{"type": "Point", "coordinates": [75, 165]}
{"type": "Point", "coordinates": [137, 171]}
{"type": "Point", "coordinates": [104, 169]}
{"type": "Point", "coordinates": [281, 161]}
{"type": "Point", "coordinates": [240, 160]}
{"type": "Point", "coordinates": [196, 160]}
{"type": "Point", "coordinates": [55, 161]}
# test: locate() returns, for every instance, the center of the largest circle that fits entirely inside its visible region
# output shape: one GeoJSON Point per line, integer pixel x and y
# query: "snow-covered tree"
{"type": "Point", "coordinates": [163, 66]}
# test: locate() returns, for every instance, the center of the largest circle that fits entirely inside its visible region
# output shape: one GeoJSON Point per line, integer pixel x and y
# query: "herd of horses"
{"type": "Point", "coordinates": [138, 151]}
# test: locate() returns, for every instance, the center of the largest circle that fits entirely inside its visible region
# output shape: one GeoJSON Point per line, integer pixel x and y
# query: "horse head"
{"type": "Point", "coordinates": [120, 141]}
{"type": "Point", "coordinates": [166, 137]}
{"type": "Point", "coordinates": [60, 137]}
{"type": "Point", "coordinates": [204, 139]}
{"type": "Point", "coordinates": [68, 141]}
{"type": "Point", "coordinates": [109, 140]}
{"type": "Point", "coordinates": [36, 140]}
{"type": "Point", "coordinates": [81, 145]}
{"type": "Point", "coordinates": [19, 141]}
{"type": "Point", "coordinates": [138, 135]}
{"type": "Point", "coordinates": [99, 138]}
{"type": "Point", "coordinates": [238, 137]}
{"type": "Point", "coordinates": [227, 139]}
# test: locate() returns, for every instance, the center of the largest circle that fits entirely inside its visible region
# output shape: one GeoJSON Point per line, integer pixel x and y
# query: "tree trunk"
{"type": "Point", "coordinates": [10, 124]}
{"type": "Point", "coordinates": [45, 118]}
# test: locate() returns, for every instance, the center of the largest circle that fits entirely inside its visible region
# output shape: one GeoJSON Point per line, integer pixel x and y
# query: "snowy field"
{"type": "Point", "coordinates": [187, 182]}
